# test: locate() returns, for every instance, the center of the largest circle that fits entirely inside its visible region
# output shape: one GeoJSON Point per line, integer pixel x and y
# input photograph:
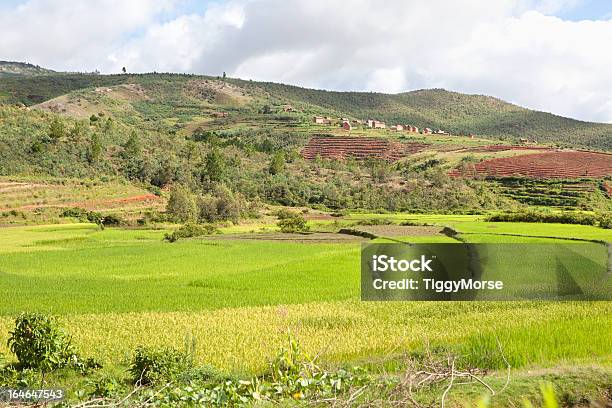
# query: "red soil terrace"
{"type": "Point", "coordinates": [553, 164]}
{"type": "Point", "coordinates": [360, 148]}
{"type": "Point", "coordinates": [501, 148]}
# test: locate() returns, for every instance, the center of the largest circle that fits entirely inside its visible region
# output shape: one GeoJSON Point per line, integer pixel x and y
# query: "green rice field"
{"type": "Point", "coordinates": [115, 289]}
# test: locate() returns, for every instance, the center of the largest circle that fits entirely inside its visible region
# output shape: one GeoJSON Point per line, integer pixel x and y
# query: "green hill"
{"type": "Point", "coordinates": [211, 134]}
{"type": "Point", "coordinates": [12, 68]}
{"type": "Point", "coordinates": [457, 113]}
{"type": "Point", "coordinates": [434, 108]}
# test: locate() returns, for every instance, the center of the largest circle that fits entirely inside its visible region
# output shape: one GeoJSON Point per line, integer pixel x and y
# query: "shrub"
{"type": "Point", "coordinates": [534, 216]}
{"type": "Point", "coordinates": [284, 213]}
{"type": "Point", "coordinates": [223, 205]}
{"type": "Point", "coordinates": [92, 216]}
{"type": "Point", "coordinates": [277, 163]}
{"type": "Point", "coordinates": [106, 386]}
{"type": "Point", "coordinates": [181, 204]}
{"type": "Point", "coordinates": [111, 220]}
{"type": "Point", "coordinates": [38, 342]}
{"type": "Point", "coordinates": [151, 366]}
{"type": "Point", "coordinates": [375, 221]}
{"type": "Point", "coordinates": [292, 224]}
{"type": "Point", "coordinates": [191, 230]}
{"type": "Point", "coordinates": [605, 220]}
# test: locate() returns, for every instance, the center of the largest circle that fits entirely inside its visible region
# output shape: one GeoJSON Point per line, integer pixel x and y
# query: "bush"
{"type": "Point", "coordinates": [181, 205]}
{"type": "Point", "coordinates": [191, 230]}
{"type": "Point", "coordinates": [92, 216]}
{"type": "Point", "coordinates": [154, 366]}
{"type": "Point", "coordinates": [106, 386]}
{"type": "Point", "coordinates": [277, 163]}
{"type": "Point", "coordinates": [605, 220]}
{"type": "Point", "coordinates": [111, 220]}
{"type": "Point", "coordinates": [284, 213]}
{"type": "Point", "coordinates": [293, 223]}
{"type": "Point", "coordinates": [534, 216]}
{"type": "Point", "coordinates": [38, 342]}
{"type": "Point", "coordinates": [223, 205]}
{"type": "Point", "coordinates": [375, 221]}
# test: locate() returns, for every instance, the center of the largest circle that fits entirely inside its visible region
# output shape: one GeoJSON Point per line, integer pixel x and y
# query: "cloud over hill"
{"type": "Point", "coordinates": [514, 49]}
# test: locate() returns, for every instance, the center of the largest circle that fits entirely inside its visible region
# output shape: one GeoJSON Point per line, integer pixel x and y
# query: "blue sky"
{"type": "Point", "coordinates": [587, 10]}
{"type": "Point", "coordinates": [550, 55]}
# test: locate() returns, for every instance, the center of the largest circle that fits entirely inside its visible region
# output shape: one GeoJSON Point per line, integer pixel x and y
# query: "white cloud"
{"type": "Point", "coordinates": [71, 34]}
{"type": "Point", "coordinates": [512, 49]}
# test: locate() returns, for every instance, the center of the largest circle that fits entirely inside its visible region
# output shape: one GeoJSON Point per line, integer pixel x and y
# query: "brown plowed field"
{"type": "Point", "coordinates": [502, 148]}
{"type": "Point", "coordinates": [360, 148]}
{"type": "Point", "coordinates": [554, 164]}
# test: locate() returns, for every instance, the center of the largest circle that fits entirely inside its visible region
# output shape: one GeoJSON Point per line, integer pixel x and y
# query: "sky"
{"type": "Point", "coordinates": [550, 55]}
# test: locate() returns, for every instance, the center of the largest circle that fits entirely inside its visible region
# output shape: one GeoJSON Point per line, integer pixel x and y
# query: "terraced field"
{"type": "Point", "coordinates": [557, 164]}
{"type": "Point", "coordinates": [502, 148]}
{"type": "Point", "coordinates": [23, 199]}
{"type": "Point", "coordinates": [566, 194]}
{"type": "Point", "coordinates": [360, 148]}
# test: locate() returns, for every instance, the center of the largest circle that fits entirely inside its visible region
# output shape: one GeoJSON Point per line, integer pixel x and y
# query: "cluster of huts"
{"type": "Point", "coordinates": [347, 124]}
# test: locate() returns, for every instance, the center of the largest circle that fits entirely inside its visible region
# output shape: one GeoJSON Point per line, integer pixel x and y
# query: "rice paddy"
{"type": "Point", "coordinates": [114, 289]}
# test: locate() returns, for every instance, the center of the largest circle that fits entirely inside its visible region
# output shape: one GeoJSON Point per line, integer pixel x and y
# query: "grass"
{"type": "Point", "coordinates": [82, 270]}
{"type": "Point", "coordinates": [30, 200]}
{"type": "Point", "coordinates": [115, 289]}
{"type": "Point", "coordinates": [245, 339]}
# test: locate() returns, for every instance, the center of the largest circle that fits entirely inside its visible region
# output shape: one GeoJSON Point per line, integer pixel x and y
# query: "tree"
{"type": "Point", "coordinates": [56, 130]}
{"type": "Point", "coordinates": [224, 75]}
{"type": "Point", "coordinates": [277, 164]}
{"type": "Point", "coordinates": [95, 149]}
{"type": "Point", "coordinates": [181, 205]}
{"type": "Point", "coordinates": [132, 148]}
{"type": "Point", "coordinates": [215, 166]}
{"type": "Point", "coordinates": [124, 70]}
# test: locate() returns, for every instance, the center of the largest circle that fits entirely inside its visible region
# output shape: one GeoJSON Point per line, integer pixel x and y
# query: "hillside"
{"type": "Point", "coordinates": [456, 113]}
{"type": "Point", "coordinates": [435, 108]}
{"type": "Point", "coordinates": [12, 68]}
{"type": "Point", "coordinates": [245, 141]}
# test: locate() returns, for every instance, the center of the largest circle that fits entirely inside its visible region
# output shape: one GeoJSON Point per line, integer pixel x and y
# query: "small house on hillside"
{"type": "Point", "coordinates": [427, 131]}
{"type": "Point", "coordinates": [346, 125]}
{"type": "Point", "coordinates": [370, 122]}
{"type": "Point", "coordinates": [320, 120]}
{"type": "Point", "coordinates": [378, 125]}
{"type": "Point", "coordinates": [397, 127]}
{"type": "Point", "coordinates": [220, 114]}
{"type": "Point", "coordinates": [288, 108]}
